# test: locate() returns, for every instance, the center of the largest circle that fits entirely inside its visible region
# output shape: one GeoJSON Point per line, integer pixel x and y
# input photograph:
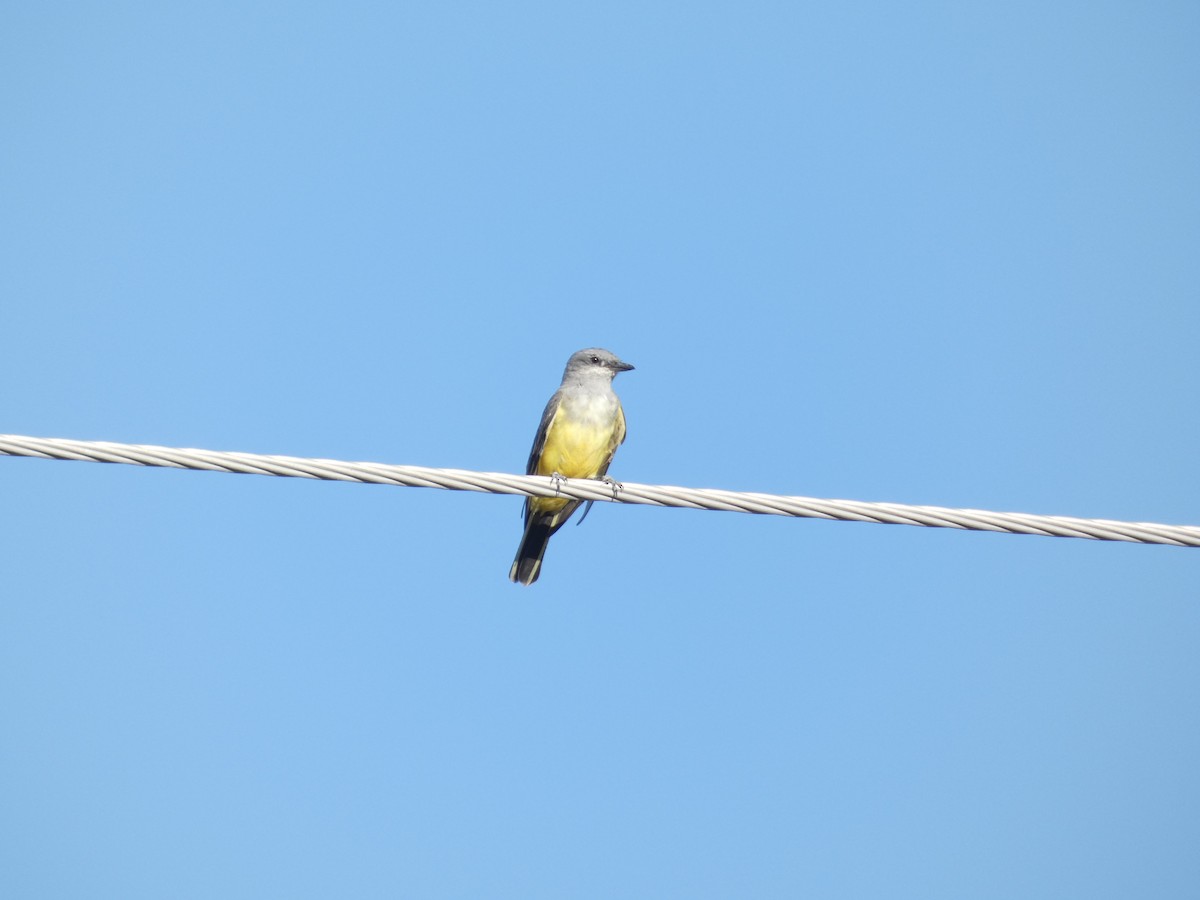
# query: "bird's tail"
{"type": "Point", "coordinates": [527, 565]}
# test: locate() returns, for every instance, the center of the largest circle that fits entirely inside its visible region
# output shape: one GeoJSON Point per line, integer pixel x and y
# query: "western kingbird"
{"type": "Point", "coordinates": [581, 429]}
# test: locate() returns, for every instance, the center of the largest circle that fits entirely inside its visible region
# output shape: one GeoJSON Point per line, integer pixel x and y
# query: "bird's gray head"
{"type": "Point", "coordinates": [594, 363]}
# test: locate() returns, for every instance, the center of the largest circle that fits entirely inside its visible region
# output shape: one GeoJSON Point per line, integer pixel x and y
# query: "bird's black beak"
{"type": "Point", "coordinates": [622, 366]}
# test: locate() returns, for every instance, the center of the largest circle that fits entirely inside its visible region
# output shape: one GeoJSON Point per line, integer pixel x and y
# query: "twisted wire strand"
{"type": "Point", "coordinates": [583, 489]}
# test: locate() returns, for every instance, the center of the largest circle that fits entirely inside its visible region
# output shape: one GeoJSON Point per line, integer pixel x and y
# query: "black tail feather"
{"type": "Point", "coordinates": [528, 563]}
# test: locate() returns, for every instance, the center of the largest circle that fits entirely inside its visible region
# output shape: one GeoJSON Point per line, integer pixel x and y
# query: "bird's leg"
{"type": "Point", "coordinates": [558, 479]}
{"type": "Point", "coordinates": [614, 484]}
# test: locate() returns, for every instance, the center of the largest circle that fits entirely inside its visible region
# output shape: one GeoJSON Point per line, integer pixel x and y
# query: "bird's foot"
{"type": "Point", "coordinates": [558, 479]}
{"type": "Point", "coordinates": [616, 486]}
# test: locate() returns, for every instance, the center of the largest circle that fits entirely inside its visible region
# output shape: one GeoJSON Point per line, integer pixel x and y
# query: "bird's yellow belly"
{"type": "Point", "coordinates": [576, 450]}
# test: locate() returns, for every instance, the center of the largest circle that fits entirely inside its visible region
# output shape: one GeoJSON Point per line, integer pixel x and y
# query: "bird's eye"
{"type": "Point", "coordinates": [595, 360]}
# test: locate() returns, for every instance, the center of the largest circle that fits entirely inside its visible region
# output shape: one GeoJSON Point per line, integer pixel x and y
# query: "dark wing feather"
{"type": "Point", "coordinates": [539, 442]}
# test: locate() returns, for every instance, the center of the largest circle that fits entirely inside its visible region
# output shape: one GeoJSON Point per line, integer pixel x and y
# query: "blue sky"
{"type": "Point", "coordinates": [938, 253]}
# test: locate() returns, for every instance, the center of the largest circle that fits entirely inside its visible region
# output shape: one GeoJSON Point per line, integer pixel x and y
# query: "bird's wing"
{"type": "Point", "coordinates": [539, 441]}
{"type": "Point", "coordinates": [618, 438]}
{"type": "Point", "coordinates": [535, 454]}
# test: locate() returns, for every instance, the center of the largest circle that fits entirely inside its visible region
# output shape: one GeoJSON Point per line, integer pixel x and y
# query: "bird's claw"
{"type": "Point", "coordinates": [616, 486]}
{"type": "Point", "coordinates": [558, 479]}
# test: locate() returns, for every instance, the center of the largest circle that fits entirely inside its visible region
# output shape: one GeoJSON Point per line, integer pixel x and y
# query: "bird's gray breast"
{"type": "Point", "coordinates": [590, 406]}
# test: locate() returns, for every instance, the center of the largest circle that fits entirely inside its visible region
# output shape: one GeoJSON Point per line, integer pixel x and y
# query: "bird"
{"type": "Point", "coordinates": [581, 428]}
